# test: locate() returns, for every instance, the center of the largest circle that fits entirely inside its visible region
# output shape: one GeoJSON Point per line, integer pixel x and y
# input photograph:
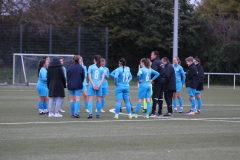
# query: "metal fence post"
{"type": "Point", "coordinates": [50, 40]}
{"type": "Point", "coordinates": [106, 49]}
{"type": "Point", "coordinates": [234, 81]}
{"type": "Point", "coordinates": [208, 80]}
{"type": "Point", "coordinates": [20, 32]}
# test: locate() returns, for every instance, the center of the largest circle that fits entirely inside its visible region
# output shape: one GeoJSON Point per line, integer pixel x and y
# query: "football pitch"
{"type": "Point", "coordinates": [25, 135]}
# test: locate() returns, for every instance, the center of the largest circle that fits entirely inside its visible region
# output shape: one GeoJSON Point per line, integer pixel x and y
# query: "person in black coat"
{"type": "Point", "coordinates": [197, 62]}
{"type": "Point", "coordinates": [75, 78]}
{"type": "Point", "coordinates": [192, 83]}
{"type": "Point", "coordinates": [56, 83]}
{"type": "Point", "coordinates": [157, 84]}
{"type": "Point", "coordinates": [170, 84]}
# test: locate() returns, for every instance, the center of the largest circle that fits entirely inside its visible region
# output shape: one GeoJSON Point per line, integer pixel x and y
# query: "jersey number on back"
{"type": "Point", "coordinates": [96, 73]}
{"type": "Point", "coordinates": [125, 77]}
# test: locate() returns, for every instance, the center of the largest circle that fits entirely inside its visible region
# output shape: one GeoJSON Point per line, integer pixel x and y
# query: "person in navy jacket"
{"type": "Point", "coordinates": [75, 78]}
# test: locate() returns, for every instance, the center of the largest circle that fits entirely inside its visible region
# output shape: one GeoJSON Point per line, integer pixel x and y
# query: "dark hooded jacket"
{"type": "Point", "coordinates": [192, 76]}
{"type": "Point", "coordinates": [200, 77]}
{"type": "Point", "coordinates": [170, 79]}
{"type": "Point", "coordinates": [56, 81]}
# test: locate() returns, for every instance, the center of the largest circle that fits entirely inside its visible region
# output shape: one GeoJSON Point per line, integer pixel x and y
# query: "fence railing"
{"type": "Point", "coordinates": [228, 74]}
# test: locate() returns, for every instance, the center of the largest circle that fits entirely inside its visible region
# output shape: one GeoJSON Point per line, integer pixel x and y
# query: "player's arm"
{"type": "Point", "coordinates": [113, 73]}
{"type": "Point", "coordinates": [183, 75]}
{"type": "Point", "coordinates": [116, 77]}
{"type": "Point", "coordinates": [107, 75]}
{"type": "Point", "coordinates": [156, 74]}
{"type": "Point", "coordinates": [90, 76]}
{"type": "Point", "coordinates": [139, 76]}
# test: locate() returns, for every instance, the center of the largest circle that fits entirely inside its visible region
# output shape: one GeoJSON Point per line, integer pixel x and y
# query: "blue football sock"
{"type": "Point", "coordinates": [40, 105]}
{"type": "Point", "coordinates": [174, 103]}
{"type": "Point", "coordinates": [103, 102]}
{"type": "Point", "coordinates": [199, 100]}
{"type": "Point", "coordinates": [180, 101]}
{"type": "Point", "coordinates": [138, 106]}
{"type": "Point", "coordinates": [77, 107]}
{"type": "Point", "coordinates": [90, 107]}
{"type": "Point", "coordinates": [130, 103]}
{"type": "Point", "coordinates": [148, 108]}
{"type": "Point", "coordinates": [128, 107]}
{"type": "Point", "coordinates": [99, 106]}
{"type": "Point", "coordinates": [193, 104]}
{"type": "Point", "coordinates": [45, 105]}
{"type": "Point", "coordinates": [118, 105]}
{"type": "Point", "coordinates": [72, 104]}
{"type": "Point", "coordinates": [86, 105]}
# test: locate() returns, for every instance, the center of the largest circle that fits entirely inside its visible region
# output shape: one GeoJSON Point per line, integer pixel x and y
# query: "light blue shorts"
{"type": "Point", "coordinates": [178, 86]}
{"type": "Point", "coordinates": [77, 92]}
{"type": "Point", "coordinates": [105, 90]}
{"type": "Point", "coordinates": [198, 92]}
{"type": "Point", "coordinates": [92, 92]}
{"type": "Point", "coordinates": [144, 91]}
{"type": "Point", "coordinates": [122, 92]}
{"type": "Point", "coordinates": [191, 92]}
{"type": "Point", "coordinates": [84, 88]}
{"type": "Point", "coordinates": [42, 90]}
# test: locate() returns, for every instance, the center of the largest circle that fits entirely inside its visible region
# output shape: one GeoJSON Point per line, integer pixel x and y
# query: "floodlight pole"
{"type": "Point", "coordinates": [175, 30]}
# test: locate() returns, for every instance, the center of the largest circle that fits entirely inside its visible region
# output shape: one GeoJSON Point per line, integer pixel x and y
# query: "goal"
{"type": "Point", "coordinates": [25, 67]}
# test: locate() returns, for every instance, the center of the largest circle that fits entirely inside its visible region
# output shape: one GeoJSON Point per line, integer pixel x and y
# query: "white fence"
{"type": "Point", "coordinates": [228, 74]}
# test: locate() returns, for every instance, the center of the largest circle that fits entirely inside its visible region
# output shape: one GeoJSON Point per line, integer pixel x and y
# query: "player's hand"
{"type": "Point", "coordinates": [116, 84]}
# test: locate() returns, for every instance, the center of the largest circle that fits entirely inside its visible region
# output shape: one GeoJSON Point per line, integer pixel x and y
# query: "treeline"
{"type": "Point", "coordinates": [210, 30]}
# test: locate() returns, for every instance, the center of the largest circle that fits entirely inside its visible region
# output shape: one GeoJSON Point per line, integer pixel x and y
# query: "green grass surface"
{"type": "Point", "coordinates": [215, 134]}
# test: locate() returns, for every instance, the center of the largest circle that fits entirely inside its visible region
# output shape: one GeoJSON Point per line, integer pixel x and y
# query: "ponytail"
{"type": "Point", "coordinates": [40, 65]}
{"type": "Point", "coordinates": [97, 58]}
{"type": "Point", "coordinates": [147, 62]}
{"type": "Point", "coordinates": [123, 62]}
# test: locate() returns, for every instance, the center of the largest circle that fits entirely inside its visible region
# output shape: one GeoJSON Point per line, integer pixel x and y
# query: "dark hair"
{"type": "Point", "coordinates": [197, 59]}
{"type": "Point", "coordinates": [189, 59]}
{"type": "Point", "coordinates": [40, 65]}
{"type": "Point", "coordinates": [123, 62]}
{"type": "Point", "coordinates": [75, 59]}
{"type": "Point", "coordinates": [60, 58]}
{"type": "Point", "coordinates": [165, 59]}
{"type": "Point", "coordinates": [146, 62]}
{"type": "Point", "coordinates": [45, 57]}
{"type": "Point", "coordinates": [156, 53]}
{"type": "Point", "coordinates": [98, 60]}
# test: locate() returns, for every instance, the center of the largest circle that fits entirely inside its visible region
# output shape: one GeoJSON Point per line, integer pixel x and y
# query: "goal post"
{"type": "Point", "coordinates": [25, 66]}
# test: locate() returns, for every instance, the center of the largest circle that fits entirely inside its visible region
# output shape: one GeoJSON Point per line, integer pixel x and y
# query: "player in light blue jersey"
{"type": "Point", "coordinates": [42, 86]}
{"type": "Point", "coordinates": [122, 77]}
{"type": "Point", "coordinates": [180, 80]}
{"type": "Point", "coordinates": [105, 82]}
{"type": "Point", "coordinates": [144, 89]}
{"type": "Point", "coordinates": [96, 77]}
{"type": "Point", "coordinates": [84, 90]}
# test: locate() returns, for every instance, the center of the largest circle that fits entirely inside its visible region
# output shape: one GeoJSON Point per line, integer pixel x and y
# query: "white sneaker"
{"type": "Point", "coordinates": [45, 111]}
{"type": "Point", "coordinates": [51, 115]}
{"type": "Point", "coordinates": [61, 110]}
{"type": "Point", "coordinates": [58, 115]}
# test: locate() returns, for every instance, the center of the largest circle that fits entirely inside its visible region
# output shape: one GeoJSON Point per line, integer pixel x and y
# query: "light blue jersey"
{"type": "Point", "coordinates": [122, 77]}
{"type": "Point", "coordinates": [64, 72]}
{"type": "Point", "coordinates": [96, 75]}
{"type": "Point", "coordinates": [85, 80]}
{"type": "Point", "coordinates": [180, 77]}
{"type": "Point", "coordinates": [42, 83]}
{"type": "Point", "coordinates": [144, 79]}
{"type": "Point", "coordinates": [105, 82]}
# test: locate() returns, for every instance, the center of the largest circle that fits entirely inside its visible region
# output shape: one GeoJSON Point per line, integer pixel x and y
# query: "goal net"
{"type": "Point", "coordinates": [25, 66]}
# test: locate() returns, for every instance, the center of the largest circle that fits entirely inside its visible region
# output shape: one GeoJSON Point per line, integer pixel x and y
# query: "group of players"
{"type": "Point", "coordinates": [155, 77]}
